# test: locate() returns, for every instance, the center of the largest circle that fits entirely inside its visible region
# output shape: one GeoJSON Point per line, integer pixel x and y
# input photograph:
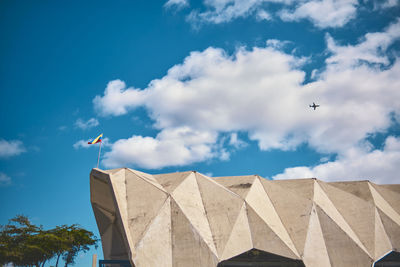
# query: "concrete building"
{"type": "Point", "coordinates": [188, 219]}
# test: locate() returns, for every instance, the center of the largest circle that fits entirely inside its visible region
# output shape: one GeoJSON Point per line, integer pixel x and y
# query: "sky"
{"type": "Point", "coordinates": [222, 87]}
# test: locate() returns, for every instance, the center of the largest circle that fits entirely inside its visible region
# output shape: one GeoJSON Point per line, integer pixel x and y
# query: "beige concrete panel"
{"type": "Point", "coordinates": [382, 242]}
{"type": "Point", "coordinates": [315, 253]}
{"type": "Point", "coordinates": [392, 229]}
{"type": "Point", "coordinates": [100, 174]}
{"type": "Point", "coordinates": [237, 184]}
{"type": "Point", "coordinates": [112, 171]}
{"type": "Point", "coordinates": [392, 197]}
{"type": "Point", "coordinates": [359, 189]}
{"type": "Point", "coordinates": [322, 200]}
{"type": "Point", "coordinates": [118, 181]}
{"type": "Point", "coordinates": [240, 238]}
{"type": "Point", "coordinates": [293, 209]}
{"type": "Point", "coordinates": [101, 194]}
{"type": "Point", "coordinates": [258, 199]}
{"type": "Point", "coordinates": [222, 208]}
{"type": "Point", "coordinates": [104, 218]}
{"type": "Point", "coordinates": [382, 204]}
{"type": "Point", "coordinates": [144, 202]}
{"type": "Point", "coordinates": [155, 248]}
{"type": "Point", "coordinates": [188, 198]}
{"type": "Point", "coordinates": [188, 248]}
{"type": "Point", "coordinates": [118, 249]}
{"type": "Point", "coordinates": [342, 250]}
{"type": "Point", "coordinates": [392, 187]}
{"type": "Point", "coordinates": [264, 238]}
{"type": "Point", "coordinates": [148, 177]}
{"type": "Point", "coordinates": [106, 242]}
{"type": "Point", "coordinates": [358, 213]}
{"type": "Point", "coordinates": [170, 181]}
{"type": "Point", "coordinates": [303, 187]}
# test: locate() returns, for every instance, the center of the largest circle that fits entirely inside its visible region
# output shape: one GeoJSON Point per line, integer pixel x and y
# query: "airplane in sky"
{"type": "Point", "coordinates": [314, 106]}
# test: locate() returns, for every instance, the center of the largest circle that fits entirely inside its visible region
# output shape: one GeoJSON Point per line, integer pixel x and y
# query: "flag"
{"type": "Point", "coordinates": [96, 140]}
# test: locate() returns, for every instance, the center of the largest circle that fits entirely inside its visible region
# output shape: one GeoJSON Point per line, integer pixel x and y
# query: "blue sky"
{"type": "Point", "coordinates": [217, 86]}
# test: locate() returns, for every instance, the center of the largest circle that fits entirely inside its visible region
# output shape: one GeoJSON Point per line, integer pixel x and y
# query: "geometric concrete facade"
{"type": "Point", "coordinates": [188, 219]}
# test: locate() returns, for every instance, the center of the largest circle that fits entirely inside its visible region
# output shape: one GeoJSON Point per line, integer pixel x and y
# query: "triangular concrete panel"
{"type": "Point", "coordinates": [258, 199]}
{"type": "Point", "coordinates": [155, 248]}
{"type": "Point", "coordinates": [188, 247]}
{"type": "Point", "coordinates": [382, 242]}
{"type": "Point", "coordinates": [315, 253]}
{"type": "Point", "coordinates": [392, 187]}
{"type": "Point", "coordinates": [384, 206]}
{"type": "Point", "coordinates": [392, 229]}
{"type": "Point", "coordinates": [323, 201]}
{"type": "Point", "coordinates": [358, 213]}
{"type": "Point", "coordinates": [149, 178]}
{"type": "Point", "coordinates": [290, 205]}
{"type": "Point", "coordinates": [238, 184]}
{"type": "Point", "coordinates": [240, 238]}
{"type": "Point", "coordinates": [303, 187]}
{"type": "Point", "coordinates": [359, 189]}
{"type": "Point", "coordinates": [118, 249]}
{"type": "Point", "coordinates": [342, 249]}
{"type": "Point", "coordinates": [392, 197]}
{"type": "Point", "coordinates": [188, 198]}
{"type": "Point", "coordinates": [106, 242]}
{"type": "Point", "coordinates": [264, 238]}
{"type": "Point", "coordinates": [104, 218]}
{"type": "Point", "coordinates": [143, 203]}
{"type": "Point", "coordinates": [216, 199]}
{"type": "Point", "coordinates": [170, 181]}
{"type": "Point", "coordinates": [101, 194]}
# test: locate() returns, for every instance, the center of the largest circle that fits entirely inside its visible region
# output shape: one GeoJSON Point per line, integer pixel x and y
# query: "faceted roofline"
{"type": "Point", "coordinates": [162, 219]}
{"type": "Point", "coordinates": [111, 171]}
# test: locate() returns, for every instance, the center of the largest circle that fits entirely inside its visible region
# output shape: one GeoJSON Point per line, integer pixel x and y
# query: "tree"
{"type": "Point", "coordinates": [79, 240]}
{"type": "Point", "coordinates": [20, 242]}
{"type": "Point", "coordinates": [25, 244]}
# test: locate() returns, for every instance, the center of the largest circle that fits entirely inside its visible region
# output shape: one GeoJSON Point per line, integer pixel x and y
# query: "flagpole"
{"type": "Point", "coordinates": [98, 158]}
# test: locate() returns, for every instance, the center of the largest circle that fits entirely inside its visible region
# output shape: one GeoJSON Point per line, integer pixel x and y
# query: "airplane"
{"type": "Point", "coordinates": [314, 106]}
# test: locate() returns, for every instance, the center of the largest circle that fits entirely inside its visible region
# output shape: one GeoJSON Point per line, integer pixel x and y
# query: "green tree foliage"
{"type": "Point", "coordinates": [25, 244]}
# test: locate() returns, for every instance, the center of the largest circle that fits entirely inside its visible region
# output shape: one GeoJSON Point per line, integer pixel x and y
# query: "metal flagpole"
{"type": "Point", "coordinates": [98, 158]}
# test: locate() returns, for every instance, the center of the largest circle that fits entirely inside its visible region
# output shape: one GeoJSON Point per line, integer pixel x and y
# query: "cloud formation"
{"type": "Point", "coordinates": [4, 179]}
{"type": "Point", "coordinates": [84, 125]}
{"type": "Point", "coordinates": [178, 4]}
{"type": "Point", "coordinates": [260, 92]}
{"type": "Point", "coordinates": [322, 13]}
{"type": "Point", "coordinates": [11, 148]}
{"type": "Point", "coordinates": [380, 166]}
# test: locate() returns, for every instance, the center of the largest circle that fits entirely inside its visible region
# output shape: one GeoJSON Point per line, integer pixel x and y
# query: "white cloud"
{"type": "Point", "coordinates": [178, 4]}
{"type": "Point", "coordinates": [84, 143]}
{"type": "Point", "coordinates": [84, 125]}
{"type": "Point", "coordinates": [259, 92]}
{"type": "Point", "coordinates": [171, 147]}
{"type": "Point", "coordinates": [11, 148]}
{"type": "Point", "coordinates": [372, 48]}
{"type": "Point", "coordinates": [323, 13]}
{"type": "Point", "coordinates": [220, 11]}
{"type": "Point", "coordinates": [117, 99]}
{"type": "Point", "coordinates": [263, 15]}
{"type": "Point", "coordinates": [390, 3]}
{"type": "Point", "coordinates": [236, 142]}
{"type": "Point", "coordinates": [380, 166]}
{"type": "Point", "coordinates": [384, 4]}
{"type": "Point", "coordinates": [4, 179]}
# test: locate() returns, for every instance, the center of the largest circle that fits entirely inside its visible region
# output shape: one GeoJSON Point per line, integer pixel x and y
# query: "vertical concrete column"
{"type": "Point", "coordinates": [94, 260]}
